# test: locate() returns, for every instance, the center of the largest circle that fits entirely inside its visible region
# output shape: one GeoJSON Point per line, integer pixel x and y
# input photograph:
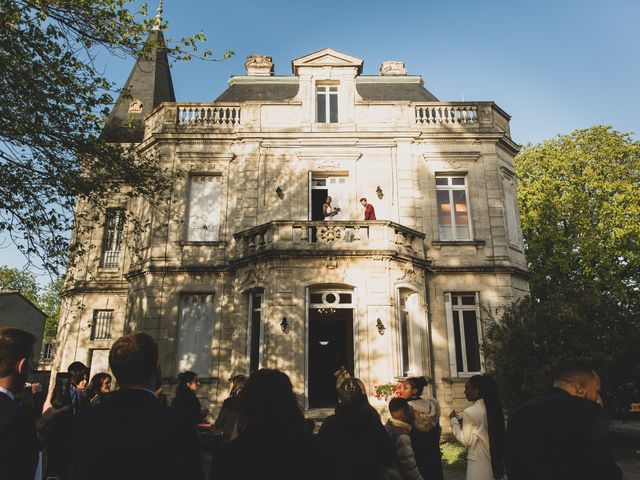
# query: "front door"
{"type": "Point", "coordinates": [330, 346]}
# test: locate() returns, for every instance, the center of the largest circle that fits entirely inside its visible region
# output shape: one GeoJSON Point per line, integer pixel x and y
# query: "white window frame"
{"type": "Point", "coordinates": [450, 188]}
{"type": "Point", "coordinates": [325, 89]}
{"type": "Point", "coordinates": [415, 320]}
{"type": "Point", "coordinates": [456, 370]}
{"type": "Point", "coordinates": [198, 233]}
{"type": "Point", "coordinates": [252, 295]}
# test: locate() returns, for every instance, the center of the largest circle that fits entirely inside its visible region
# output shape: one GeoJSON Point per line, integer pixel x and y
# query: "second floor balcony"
{"type": "Point", "coordinates": [330, 238]}
{"type": "Point", "coordinates": [225, 117]}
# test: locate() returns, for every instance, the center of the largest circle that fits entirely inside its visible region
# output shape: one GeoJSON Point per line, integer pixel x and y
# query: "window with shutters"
{"type": "Point", "coordinates": [195, 333]}
{"type": "Point", "coordinates": [409, 333]}
{"type": "Point", "coordinates": [514, 232]}
{"type": "Point", "coordinates": [99, 362]}
{"type": "Point", "coordinates": [112, 241]}
{"type": "Point", "coordinates": [203, 222]}
{"type": "Point", "coordinates": [465, 333]}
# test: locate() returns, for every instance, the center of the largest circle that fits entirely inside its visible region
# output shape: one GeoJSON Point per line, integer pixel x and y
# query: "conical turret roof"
{"type": "Point", "coordinates": [148, 85]}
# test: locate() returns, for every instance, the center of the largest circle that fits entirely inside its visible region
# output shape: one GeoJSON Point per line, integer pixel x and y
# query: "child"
{"type": "Point", "coordinates": [398, 427]}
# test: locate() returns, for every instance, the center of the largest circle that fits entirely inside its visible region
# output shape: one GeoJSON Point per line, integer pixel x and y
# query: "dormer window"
{"type": "Point", "coordinates": [327, 104]}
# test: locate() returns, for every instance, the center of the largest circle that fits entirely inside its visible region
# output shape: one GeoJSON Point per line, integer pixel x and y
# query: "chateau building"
{"type": "Point", "coordinates": [242, 270]}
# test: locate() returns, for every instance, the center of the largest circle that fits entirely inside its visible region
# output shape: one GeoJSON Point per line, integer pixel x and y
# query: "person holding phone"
{"type": "Point", "coordinates": [68, 397]}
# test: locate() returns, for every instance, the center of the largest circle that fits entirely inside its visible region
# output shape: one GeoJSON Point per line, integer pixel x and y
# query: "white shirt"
{"type": "Point", "coordinates": [8, 393]}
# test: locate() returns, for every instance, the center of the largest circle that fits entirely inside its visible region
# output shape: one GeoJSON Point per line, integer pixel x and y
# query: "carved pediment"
{"type": "Point", "coordinates": [327, 57]}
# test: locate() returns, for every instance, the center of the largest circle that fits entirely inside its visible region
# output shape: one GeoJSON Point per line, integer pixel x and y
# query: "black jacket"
{"type": "Point", "coordinates": [187, 403]}
{"type": "Point", "coordinates": [353, 445]}
{"type": "Point", "coordinates": [131, 435]}
{"type": "Point", "coordinates": [559, 437]}
{"type": "Point", "coordinates": [269, 451]}
{"type": "Point", "coordinates": [228, 417]}
{"type": "Point", "coordinates": [19, 443]}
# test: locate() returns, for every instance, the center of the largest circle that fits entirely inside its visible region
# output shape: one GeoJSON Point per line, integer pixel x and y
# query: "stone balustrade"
{"type": "Point", "coordinates": [208, 114]}
{"type": "Point", "coordinates": [446, 114]}
{"type": "Point", "coordinates": [177, 117]}
{"type": "Point", "coordinates": [336, 236]}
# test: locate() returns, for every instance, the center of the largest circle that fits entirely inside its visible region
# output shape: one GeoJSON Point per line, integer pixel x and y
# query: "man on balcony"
{"type": "Point", "coordinates": [369, 211]}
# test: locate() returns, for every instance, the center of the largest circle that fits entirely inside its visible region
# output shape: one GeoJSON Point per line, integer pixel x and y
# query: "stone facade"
{"type": "Point", "coordinates": [238, 271]}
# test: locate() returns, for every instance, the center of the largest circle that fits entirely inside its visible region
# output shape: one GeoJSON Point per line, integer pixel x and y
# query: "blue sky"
{"type": "Point", "coordinates": [554, 66]}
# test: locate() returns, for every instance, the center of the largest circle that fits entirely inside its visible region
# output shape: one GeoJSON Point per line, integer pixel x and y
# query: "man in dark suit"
{"type": "Point", "coordinates": [564, 433]}
{"type": "Point", "coordinates": [19, 444]}
{"type": "Point", "coordinates": [130, 434]}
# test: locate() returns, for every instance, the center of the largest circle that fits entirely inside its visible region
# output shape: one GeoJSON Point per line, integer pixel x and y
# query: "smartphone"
{"type": "Point", "coordinates": [62, 390]}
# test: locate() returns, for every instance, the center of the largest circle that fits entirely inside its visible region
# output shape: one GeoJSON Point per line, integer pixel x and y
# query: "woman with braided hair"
{"type": "Point", "coordinates": [482, 430]}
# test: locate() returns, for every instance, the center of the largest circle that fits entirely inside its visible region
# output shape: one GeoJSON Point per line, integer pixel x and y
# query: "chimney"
{"type": "Point", "coordinates": [392, 68]}
{"type": "Point", "coordinates": [259, 65]}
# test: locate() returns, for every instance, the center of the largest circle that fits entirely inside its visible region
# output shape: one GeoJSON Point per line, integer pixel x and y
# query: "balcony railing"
{"type": "Point", "coordinates": [336, 236]}
{"type": "Point", "coordinates": [208, 114]}
{"type": "Point", "coordinates": [447, 114]}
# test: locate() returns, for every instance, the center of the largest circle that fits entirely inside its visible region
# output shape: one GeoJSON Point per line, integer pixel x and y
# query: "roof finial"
{"type": "Point", "coordinates": [158, 19]}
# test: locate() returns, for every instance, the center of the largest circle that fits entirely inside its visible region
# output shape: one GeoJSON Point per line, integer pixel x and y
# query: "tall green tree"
{"type": "Point", "coordinates": [52, 109]}
{"type": "Point", "coordinates": [580, 210]}
{"type": "Point", "coordinates": [20, 280]}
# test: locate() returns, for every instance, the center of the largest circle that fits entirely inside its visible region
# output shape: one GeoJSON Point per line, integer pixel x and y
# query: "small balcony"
{"type": "Point", "coordinates": [330, 238]}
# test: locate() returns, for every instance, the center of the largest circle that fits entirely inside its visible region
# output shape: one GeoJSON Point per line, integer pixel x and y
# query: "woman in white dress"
{"type": "Point", "coordinates": [327, 210]}
{"type": "Point", "coordinates": [482, 430]}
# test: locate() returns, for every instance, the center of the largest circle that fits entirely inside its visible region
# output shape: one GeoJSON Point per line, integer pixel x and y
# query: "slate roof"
{"type": "Point", "coordinates": [403, 89]}
{"type": "Point", "coordinates": [259, 92]}
{"type": "Point", "coordinates": [149, 81]}
{"type": "Point", "coordinates": [393, 91]}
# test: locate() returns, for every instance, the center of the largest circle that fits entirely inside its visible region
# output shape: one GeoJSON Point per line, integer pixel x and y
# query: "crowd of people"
{"type": "Point", "coordinates": [91, 432]}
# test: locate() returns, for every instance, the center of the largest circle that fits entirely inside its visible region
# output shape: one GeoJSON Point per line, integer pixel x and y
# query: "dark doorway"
{"type": "Point", "coordinates": [318, 196]}
{"type": "Point", "coordinates": [330, 345]}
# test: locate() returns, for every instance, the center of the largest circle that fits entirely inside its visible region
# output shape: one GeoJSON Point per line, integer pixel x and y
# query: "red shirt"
{"type": "Point", "coordinates": [369, 212]}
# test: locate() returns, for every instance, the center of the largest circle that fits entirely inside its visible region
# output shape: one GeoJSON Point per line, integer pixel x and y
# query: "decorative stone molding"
{"type": "Point", "coordinates": [135, 106]}
{"type": "Point", "coordinates": [392, 68]}
{"type": "Point", "coordinates": [331, 263]}
{"type": "Point", "coordinates": [259, 65]}
{"type": "Point", "coordinates": [454, 159]}
{"type": "Point", "coordinates": [326, 156]}
{"type": "Point", "coordinates": [330, 233]}
{"type": "Point", "coordinates": [251, 278]}
{"type": "Point", "coordinates": [409, 275]}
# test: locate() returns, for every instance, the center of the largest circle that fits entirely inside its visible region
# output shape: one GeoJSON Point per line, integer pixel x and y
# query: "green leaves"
{"type": "Point", "coordinates": [580, 213]}
{"type": "Point", "coordinates": [52, 109]}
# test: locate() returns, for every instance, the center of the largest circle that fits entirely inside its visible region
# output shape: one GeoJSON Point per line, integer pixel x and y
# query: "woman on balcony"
{"type": "Point", "coordinates": [327, 210]}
